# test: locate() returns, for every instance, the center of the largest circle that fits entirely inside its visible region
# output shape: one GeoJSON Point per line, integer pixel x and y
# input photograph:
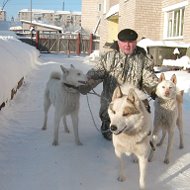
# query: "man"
{"type": "Point", "coordinates": [126, 64]}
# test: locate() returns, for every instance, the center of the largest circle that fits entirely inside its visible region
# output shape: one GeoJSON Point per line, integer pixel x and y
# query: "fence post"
{"type": "Point", "coordinates": [91, 43]}
{"type": "Point", "coordinates": [37, 39]}
{"type": "Point", "coordinates": [68, 48]}
{"type": "Point", "coordinates": [78, 44]}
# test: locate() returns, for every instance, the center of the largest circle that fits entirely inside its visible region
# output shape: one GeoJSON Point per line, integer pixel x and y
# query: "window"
{"type": "Point", "coordinates": [175, 21]}
{"type": "Point", "coordinates": [99, 7]}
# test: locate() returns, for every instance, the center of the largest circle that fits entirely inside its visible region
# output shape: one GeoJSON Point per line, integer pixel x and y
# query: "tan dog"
{"type": "Point", "coordinates": [130, 124]}
{"type": "Point", "coordinates": [168, 113]}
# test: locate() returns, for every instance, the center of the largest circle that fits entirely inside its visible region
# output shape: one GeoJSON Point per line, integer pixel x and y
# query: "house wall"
{"type": "Point", "coordinates": [144, 16]}
{"type": "Point", "coordinates": [103, 32]}
{"type": "Point", "coordinates": [186, 36]}
{"type": "Point", "coordinates": [52, 17]}
{"type": "Point", "coordinates": [112, 30]}
{"type": "Point", "coordinates": [126, 14]}
{"type": "Point", "coordinates": [136, 14]}
{"type": "Point", "coordinates": [108, 28]}
{"type": "Point", "coordinates": [2, 15]}
{"type": "Point", "coordinates": [90, 14]}
{"type": "Point", "coordinates": [148, 19]}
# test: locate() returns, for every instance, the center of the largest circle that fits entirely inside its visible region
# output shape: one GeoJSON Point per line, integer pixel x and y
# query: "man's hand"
{"type": "Point", "coordinates": [84, 89]}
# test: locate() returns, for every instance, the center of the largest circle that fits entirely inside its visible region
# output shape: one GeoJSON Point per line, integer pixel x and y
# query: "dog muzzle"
{"type": "Point", "coordinates": [115, 131]}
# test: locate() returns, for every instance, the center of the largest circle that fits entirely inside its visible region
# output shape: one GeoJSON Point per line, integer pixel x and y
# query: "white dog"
{"type": "Point", "coordinates": [62, 93]}
{"type": "Point", "coordinates": [130, 124]}
{"type": "Point", "coordinates": [168, 113]}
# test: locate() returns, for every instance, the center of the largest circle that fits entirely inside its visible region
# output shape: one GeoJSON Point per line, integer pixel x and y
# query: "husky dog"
{"type": "Point", "coordinates": [130, 124]}
{"type": "Point", "coordinates": [61, 91]}
{"type": "Point", "coordinates": [168, 113]}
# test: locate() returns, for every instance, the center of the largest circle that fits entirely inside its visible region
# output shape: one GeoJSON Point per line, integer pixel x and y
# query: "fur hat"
{"type": "Point", "coordinates": [127, 35]}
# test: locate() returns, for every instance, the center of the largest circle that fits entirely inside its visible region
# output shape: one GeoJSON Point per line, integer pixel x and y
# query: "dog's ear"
{"type": "Point", "coordinates": [72, 66]}
{"type": "Point", "coordinates": [117, 93]}
{"type": "Point", "coordinates": [174, 79]}
{"type": "Point", "coordinates": [162, 77]}
{"type": "Point", "coordinates": [132, 96]}
{"type": "Point", "coordinates": [65, 71]}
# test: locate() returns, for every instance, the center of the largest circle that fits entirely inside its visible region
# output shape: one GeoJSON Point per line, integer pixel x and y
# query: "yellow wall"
{"type": "Point", "coordinates": [112, 30]}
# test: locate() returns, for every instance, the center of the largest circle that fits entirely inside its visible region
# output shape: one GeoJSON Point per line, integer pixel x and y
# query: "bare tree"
{"type": "Point", "coordinates": [3, 5]}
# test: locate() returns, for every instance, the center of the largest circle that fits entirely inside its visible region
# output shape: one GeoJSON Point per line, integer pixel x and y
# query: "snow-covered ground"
{"type": "Point", "coordinates": [17, 60]}
{"type": "Point", "coordinates": [28, 161]}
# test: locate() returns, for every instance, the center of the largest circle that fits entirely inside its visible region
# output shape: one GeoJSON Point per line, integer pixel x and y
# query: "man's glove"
{"type": "Point", "coordinates": [153, 95]}
{"type": "Point", "coordinates": [84, 89]}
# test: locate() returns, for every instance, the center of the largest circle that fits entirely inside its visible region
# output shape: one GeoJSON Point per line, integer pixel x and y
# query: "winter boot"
{"type": "Point", "coordinates": [105, 130]}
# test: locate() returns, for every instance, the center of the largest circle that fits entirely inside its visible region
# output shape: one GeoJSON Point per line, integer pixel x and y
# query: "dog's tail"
{"type": "Point", "coordinates": [55, 75]}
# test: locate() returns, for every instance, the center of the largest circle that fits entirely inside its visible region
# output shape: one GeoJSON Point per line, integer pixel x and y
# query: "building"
{"type": "Point", "coordinates": [158, 20]}
{"type": "Point", "coordinates": [57, 18]}
{"type": "Point", "coordinates": [2, 15]}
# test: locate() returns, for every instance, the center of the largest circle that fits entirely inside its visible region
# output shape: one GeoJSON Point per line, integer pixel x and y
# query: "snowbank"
{"type": "Point", "coordinates": [17, 60]}
{"type": "Point", "coordinates": [184, 62]}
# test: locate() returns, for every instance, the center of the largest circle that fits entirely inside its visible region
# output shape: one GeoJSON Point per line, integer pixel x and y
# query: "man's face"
{"type": "Point", "coordinates": [127, 47]}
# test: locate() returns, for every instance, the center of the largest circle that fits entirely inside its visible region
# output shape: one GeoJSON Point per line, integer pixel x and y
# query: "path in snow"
{"type": "Point", "coordinates": [28, 161]}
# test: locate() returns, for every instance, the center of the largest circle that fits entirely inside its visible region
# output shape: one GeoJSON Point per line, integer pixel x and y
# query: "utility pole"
{"type": "Point", "coordinates": [31, 27]}
{"type": "Point", "coordinates": [31, 12]}
{"type": "Point", "coordinates": [63, 8]}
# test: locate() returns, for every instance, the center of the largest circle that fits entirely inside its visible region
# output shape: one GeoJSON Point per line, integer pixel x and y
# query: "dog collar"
{"type": "Point", "coordinates": [70, 86]}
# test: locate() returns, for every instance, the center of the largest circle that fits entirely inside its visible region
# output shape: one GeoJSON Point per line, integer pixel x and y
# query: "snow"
{"type": "Point", "coordinates": [29, 161]}
{"type": "Point", "coordinates": [14, 56]}
{"type": "Point", "coordinates": [146, 42]}
{"type": "Point", "coordinates": [183, 62]}
{"type": "Point", "coordinates": [112, 11]}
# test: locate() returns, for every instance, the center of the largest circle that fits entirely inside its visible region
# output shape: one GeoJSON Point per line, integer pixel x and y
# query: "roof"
{"type": "Point", "coordinates": [37, 11]}
{"type": "Point", "coordinates": [40, 11]}
{"type": "Point", "coordinates": [114, 10]}
{"type": "Point", "coordinates": [48, 26]}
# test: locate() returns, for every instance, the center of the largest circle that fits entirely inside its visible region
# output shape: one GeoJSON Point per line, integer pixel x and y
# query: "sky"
{"type": "Point", "coordinates": [14, 6]}
{"type": "Point", "coordinates": [29, 161]}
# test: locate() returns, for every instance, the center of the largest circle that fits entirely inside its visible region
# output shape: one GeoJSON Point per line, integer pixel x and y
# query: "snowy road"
{"type": "Point", "coordinates": [28, 161]}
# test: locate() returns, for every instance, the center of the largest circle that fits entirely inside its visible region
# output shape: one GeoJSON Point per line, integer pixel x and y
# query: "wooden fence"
{"type": "Point", "coordinates": [69, 44]}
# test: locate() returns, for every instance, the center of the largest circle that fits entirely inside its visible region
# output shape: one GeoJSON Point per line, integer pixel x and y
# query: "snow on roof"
{"type": "Point", "coordinates": [113, 10]}
{"type": "Point", "coordinates": [68, 12]}
{"type": "Point", "coordinates": [144, 43]}
{"type": "Point", "coordinates": [43, 25]}
{"type": "Point", "coordinates": [40, 11]}
{"type": "Point", "coordinates": [62, 12]}
{"type": "Point", "coordinates": [37, 11]}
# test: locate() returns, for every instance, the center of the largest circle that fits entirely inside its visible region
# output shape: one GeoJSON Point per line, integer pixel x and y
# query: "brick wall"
{"type": "Point", "coordinates": [90, 14]}
{"type": "Point", "coordinates": [148, 19]}
{"type": "Point", "coordinates": [142, 15]}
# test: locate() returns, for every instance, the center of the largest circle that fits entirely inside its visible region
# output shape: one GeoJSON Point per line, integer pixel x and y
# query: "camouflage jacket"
{"type": "Point", "coordinates": [116, 68]}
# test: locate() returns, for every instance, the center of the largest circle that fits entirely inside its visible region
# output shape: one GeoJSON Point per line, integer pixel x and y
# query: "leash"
{"type": "Point", "coordinates": [91, 113]}
{"type": "Point", "coordinates": [95, 93]}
